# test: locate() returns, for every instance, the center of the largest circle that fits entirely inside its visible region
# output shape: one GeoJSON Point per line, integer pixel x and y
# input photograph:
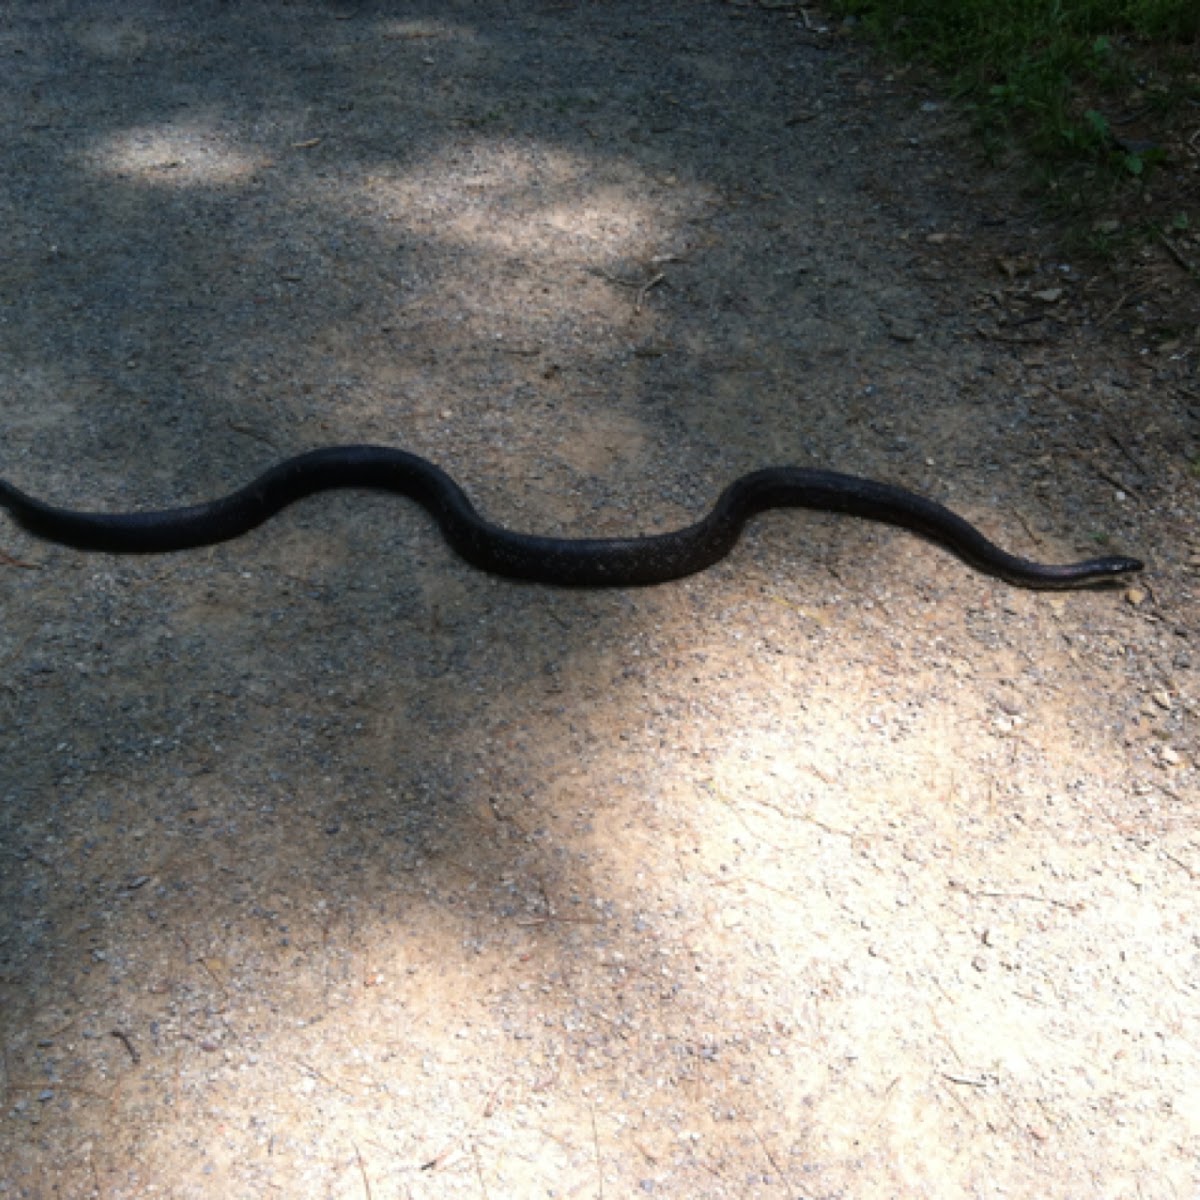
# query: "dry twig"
{"type": "Point", "coordinates": [362, 1170]}
{"type": "Point", "coordinates": [125, 1041]}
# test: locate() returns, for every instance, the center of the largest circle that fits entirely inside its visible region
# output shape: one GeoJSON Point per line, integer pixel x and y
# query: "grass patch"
{"type": "Point", "coordinates": [1071, 81]}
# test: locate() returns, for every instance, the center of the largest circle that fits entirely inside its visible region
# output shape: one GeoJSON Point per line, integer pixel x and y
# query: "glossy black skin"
{"type": "Point", "coordinates": [567, 562]}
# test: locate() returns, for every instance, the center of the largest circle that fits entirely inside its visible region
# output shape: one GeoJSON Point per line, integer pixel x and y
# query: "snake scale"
{"type": "Point", "coordinates": [572, 562]}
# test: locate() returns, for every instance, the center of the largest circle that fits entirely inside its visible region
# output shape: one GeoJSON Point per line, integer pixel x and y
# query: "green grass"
{"type": "Point", "coordinates": [1057, 77]}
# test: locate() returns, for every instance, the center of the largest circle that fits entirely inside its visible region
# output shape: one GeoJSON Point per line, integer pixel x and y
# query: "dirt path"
{"type": "Point", "coordinates": [332, 868]}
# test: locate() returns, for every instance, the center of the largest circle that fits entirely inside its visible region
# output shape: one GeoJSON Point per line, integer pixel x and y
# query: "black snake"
{"type": "Point", "coordinates": [580, 562]}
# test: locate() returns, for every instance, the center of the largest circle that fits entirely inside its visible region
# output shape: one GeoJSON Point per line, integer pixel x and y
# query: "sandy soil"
{"type": "Point", "coordinates": [332, 868]}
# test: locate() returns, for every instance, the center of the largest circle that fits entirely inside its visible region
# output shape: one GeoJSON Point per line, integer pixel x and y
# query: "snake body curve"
{"type": "Point", "coordinates": [572, 562]}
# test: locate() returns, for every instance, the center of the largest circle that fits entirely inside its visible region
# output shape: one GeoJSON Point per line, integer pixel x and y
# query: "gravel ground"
{"type": "Point", "coordinates": [332, 868]}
